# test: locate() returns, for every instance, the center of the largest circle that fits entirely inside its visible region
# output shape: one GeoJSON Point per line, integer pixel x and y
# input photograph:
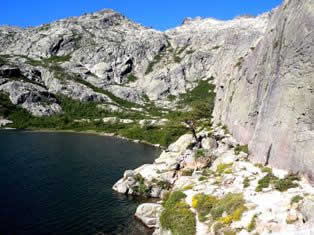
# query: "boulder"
{"type": "Point", "coordinates": [4, 122]}
{"type": "Point", "coordinates": [209, 143]}
{"type": "Point", "coordinates": [182, 143]}
{"type": "Point", "coordinates": [149, 214]}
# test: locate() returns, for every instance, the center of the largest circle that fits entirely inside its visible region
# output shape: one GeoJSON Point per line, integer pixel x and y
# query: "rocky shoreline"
{"type": "Point", "coordinates": [273, 201]}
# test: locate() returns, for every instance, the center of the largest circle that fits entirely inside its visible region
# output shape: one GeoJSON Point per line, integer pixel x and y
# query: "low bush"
{"type": "Point", "coordinates": [252, 224]}
{"type": "Point", "coordinates": [246, 182]}
{"type": "Point", "coordinates": [231, 204]}
{"type": "Point", "coordinates": [296, 199]}
{"type": "Point", "coordinates": [223, 167]}
{"type": "Point", "coordinates": [177, 216]}
{"type": "Point", "coordinates": [188, 172]}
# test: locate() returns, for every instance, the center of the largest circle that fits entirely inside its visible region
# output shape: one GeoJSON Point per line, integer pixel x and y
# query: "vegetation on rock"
{"type": "Point", "coordinates": [232, 205]}
{"type": "Point", "coordinates": [177, 216]}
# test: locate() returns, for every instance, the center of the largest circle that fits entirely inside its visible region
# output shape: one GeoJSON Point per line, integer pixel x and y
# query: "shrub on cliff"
{"type": "Point", "coordinates": [177, 216]}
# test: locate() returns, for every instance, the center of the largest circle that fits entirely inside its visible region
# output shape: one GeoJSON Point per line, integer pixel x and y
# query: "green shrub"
{"type": "Point", "coordinates": [288, 182]}
{"type": "Point", "coordinates": [207, 172]}
{"type": "Point", "coordinates": [281, 185]}
{"type": "Point", "coordinates": [296, 199]}
{"type": "Point", "coordinates": [188, 187]}
{"type": "Point", "coordinates": [57, 59]}
{"type": "Point", "coordinates": [246, 182]}
{"type": "Point", "coordinates": [204, 91]}
{"type": "Point", "coordinates": [231, 204]}
{"type": "Point", "coordinates": [142, 189]}
{"type": "Point", "coordinates": [225, 128]}
{"type": "Point", "coordinates": [155, 61]}
{"type": "Point", "coordinates": [223, 167]}
{"type": "Point", "coordinates": [132, 78]}
{"type": "Point", "coordinates": [252, 224]}
{"type": "Point", "coordinates": [188, 172]}
{"type": "Point", "coordinates": [202, 178]}
{"type": "Point", "coordinates": [203, 204]}
{"type": "Point", "coordinates": [267, 170]}
{"type": "Point", "coordinates": [200, 153]}
{"type": "Point", "coordinates": [265, 182]}
{"type": "Point", "coordinates": [164, 184]}
{"type": "Point", "coordinates": [177, 216]}
{"type": "Point", "coordinates": [177, 59]}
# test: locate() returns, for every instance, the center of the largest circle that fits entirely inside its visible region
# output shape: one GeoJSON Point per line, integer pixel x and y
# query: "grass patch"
{"type": "Point", "coordinates": [267, 170]}
{"type": "Point", "coordinates": [246, 182]}
{"type": "Point", "coordinates": [177, 216]}
{"type": "Point", "coordinates": [171, 97]}
{"type": "Point", "coordinates": [252, 224]}
{"type": "Point", "coordinates": [188, 187]}
{"type": "Point", "coordinates": [203, 91]}
{"type": "Point", "coordinates": [188, 172]}
{"type": "Point", "coordinates": [223, 167]}
{"type": "Point", "coordinates": [141, 189]}
{"type": "Point", "coordinates": [202, 178]}
{"type": "Point", "coordinates": [199, 153]}
{"type": "Point", "coordinates": [281, 185]}
{"type": "Point", "coordinates": [296, 199]}
{"type": "Point", "coordinates": [225, 129]}
{"type": "Point", "coordinates": [4, 59]}
{"type": "Point", "coordinates": [265, 182]}
{"type": "Point", "coordinates": [155, 61]}
{"type": "Point", "coordinates": [241, 148]}
{"type": "Point", "coordinates": [177, 59]}
{"type": "Point", "coordinates": [132, 78]}
{"type": "Point", "coordinates": [57, 59]}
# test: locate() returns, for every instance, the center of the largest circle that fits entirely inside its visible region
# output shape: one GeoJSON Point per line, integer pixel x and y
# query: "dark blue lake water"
{"type": "Point", "coordinates": [60, 183]}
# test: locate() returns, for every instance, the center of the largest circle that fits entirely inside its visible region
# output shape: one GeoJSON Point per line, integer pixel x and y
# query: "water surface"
{"type": "Point", "coordinates": [60, 183]}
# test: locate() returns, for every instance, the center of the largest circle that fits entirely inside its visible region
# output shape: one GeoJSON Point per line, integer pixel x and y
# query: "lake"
{"type": "Point", "coordinates": [61, 183]}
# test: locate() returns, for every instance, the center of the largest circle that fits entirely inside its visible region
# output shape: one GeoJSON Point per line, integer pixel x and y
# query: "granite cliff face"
{"type": "Point", "coordinates": [269, 103]}
{"type": "Point", "coordinates": [262, 67]}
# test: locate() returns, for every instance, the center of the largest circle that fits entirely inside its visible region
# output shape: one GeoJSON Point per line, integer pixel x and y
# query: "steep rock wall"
{"type": "Point", "coordinates": [270, 102]}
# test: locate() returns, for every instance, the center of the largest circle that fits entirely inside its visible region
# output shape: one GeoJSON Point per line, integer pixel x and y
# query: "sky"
{"type": "Point", "coordinates": [159, 14]}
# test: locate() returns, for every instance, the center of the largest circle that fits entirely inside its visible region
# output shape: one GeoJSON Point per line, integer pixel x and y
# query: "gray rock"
{"type": "Point", "coordinates": [148, 213]}
{"type": "Point", "coordinates": [307, 209]}
{"type": "Point", "coordinates": [36, 99]}
{"type": "Point", "coordinates": [209, 143]}
{"type": "Point", "coordinates": [4, 122]}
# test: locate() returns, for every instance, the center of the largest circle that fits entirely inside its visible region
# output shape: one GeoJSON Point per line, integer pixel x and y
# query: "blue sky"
{"type": "Point", "coordinates": [159, 14]}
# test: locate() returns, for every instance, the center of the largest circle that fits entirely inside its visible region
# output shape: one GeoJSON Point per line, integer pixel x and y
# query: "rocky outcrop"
{"type": "Point", "coordinates": [34, 98]}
